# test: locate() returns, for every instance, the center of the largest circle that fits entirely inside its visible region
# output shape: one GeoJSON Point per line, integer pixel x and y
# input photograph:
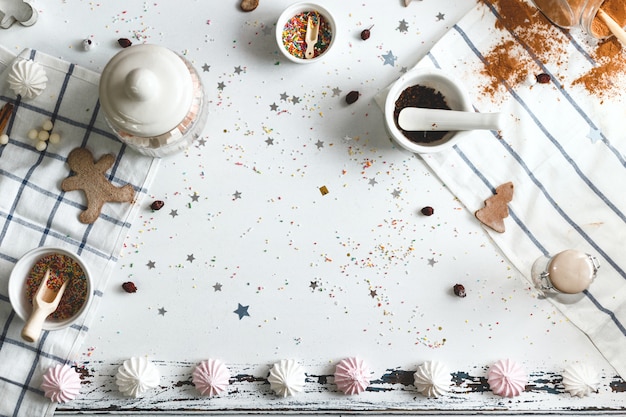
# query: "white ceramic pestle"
{"type": "Point", "coordinates": [422, 119]}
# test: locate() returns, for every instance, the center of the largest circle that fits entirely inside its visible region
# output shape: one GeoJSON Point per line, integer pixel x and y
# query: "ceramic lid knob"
{"type": "Point", "coordinates": [146, 90]}
{"type": "Point", "coordinates": [142, 84]}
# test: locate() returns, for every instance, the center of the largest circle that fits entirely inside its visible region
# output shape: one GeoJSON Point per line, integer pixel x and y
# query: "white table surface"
{"type": "Point", "coordinates": [356, 272]}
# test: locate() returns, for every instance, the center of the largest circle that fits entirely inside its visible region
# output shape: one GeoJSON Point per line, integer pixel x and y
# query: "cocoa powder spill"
{"type": "Point", "coordinates": [505, 63]}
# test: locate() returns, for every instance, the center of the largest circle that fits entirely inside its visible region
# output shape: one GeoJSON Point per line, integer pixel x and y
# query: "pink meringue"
{"type": "Point", "coordinates": [507, 378]}
{"type": "Point", "coordinates": [61, 383]}
{"type": "Point", "coordinates": [211, 377]}
{"type": "Point", "coordinates": [352, 376]}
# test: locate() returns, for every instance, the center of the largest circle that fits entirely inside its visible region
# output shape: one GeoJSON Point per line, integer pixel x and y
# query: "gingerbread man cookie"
{"type": "Point", "coordinates": [89, 177]}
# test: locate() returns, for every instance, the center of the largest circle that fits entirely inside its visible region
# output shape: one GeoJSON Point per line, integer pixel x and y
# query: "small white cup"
{"type": "Point", "coordinates": [19, 276]}
{"type": "Point", "coordinates": [293, 11]}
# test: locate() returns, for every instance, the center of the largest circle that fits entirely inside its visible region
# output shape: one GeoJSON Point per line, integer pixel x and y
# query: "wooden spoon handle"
{"type": "Point", "coordinates": [32, 328]}
{"type": "Point", "coordinates": [615, 29]}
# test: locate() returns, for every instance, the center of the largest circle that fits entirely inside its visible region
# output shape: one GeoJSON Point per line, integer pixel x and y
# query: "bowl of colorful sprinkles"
{"type": "Point", "coordinates": [301, 22]}
{"type": "Point", "coordinates": [427, 88]}
{"type": "Point", "coordinates": [28, 273]}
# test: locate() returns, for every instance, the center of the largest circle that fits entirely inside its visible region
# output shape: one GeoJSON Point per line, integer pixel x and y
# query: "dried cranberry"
{"type": "Point", "coordinates": [428, 211]}
{"type": "Point", "coordinates": [129, 287]}
{"type": "Point", "coordinates": [459, 290]}
{"type": "Point", "coordinates": [543, 78]}
{"type": "Point", "coordinates": [124, 42]}
{"type": "Point", "coordinates": [157, 205]}
{"type": "Point", "coordinates": [352, 97]}
{"type": "Point", "coordinates": [365, 34]}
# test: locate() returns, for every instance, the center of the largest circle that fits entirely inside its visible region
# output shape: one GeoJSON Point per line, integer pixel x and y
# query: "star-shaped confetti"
{"type": "Point", "coordinates": [594, 135]}
{"type": "Point", "coordinates": [372, 182]}
{"type": "Point", "coordinates": [242, 311]}
{"type": "Point", "coordinates": [389, 59]}
{"type": "Point", "coordinates": [284, 96]}
{"type": "Point", "coordinates": [269, 141]}
{"type": "Point", "coordinates": [221, 85]}
{"type": "Point", "coordinates": [206, 67]}
{"type": "Point", "coordinates": [236, 195]}
{"type": "Point", "coordinates": [396, 193]}
{"type": "Point", "coordinates": [431, 262]}
{"type": "Point", "coordinates": [373, 293]}
{"type": "Point", "coordinates": [440, 16]}
{"type": "Point", "coordinates": [201, 142]}
{"type": "Point", "coordinates": [191, 258]}
{"type": "Point", "coordinates": [403, 26]}
{"type": "Point", "coordinates": [217, 287]}
{"type": "Point", "coordinates": [194, 197]}
{"type": "Point", "coordinates": [174, 213]}
{"type": "Point", "coordinates": [238, 70]}
{"type": "Point", "coordinates": [313, 285]}
{"type": "Point", "coordinates": [151, 264]}
{"type": "Point", "coordinates": [162, 311]}
{"type": "Point", "coordinates": [319, 144]}
{"type": "Point", "coordinates": [336, 92]}
{"type": "Point", "coordinates": [273, 107]}
{"type": "Point", "coordinates": [295, 99]}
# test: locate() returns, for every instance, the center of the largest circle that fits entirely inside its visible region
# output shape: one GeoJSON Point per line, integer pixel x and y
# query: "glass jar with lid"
{"type": "Point", "coordinates": [568, 272]}
{"type": "Point", "coordinates": [153, 99]}
{"type": "Point", "coordinates": [570, 14]}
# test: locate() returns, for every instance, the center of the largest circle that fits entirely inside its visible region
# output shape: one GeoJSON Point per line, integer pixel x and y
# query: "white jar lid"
{"type": "Point", "coordinates": [146, 90]}
{"type": "Point", "coordinates": [572, 271]}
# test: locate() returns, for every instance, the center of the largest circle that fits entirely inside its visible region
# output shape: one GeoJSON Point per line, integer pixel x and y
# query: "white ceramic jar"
{"type": "Point", "coordinates": [153, 99]}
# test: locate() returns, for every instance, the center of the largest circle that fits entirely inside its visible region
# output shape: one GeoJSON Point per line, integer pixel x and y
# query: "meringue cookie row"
{"type": "Point", "coordinates": [211, 377]}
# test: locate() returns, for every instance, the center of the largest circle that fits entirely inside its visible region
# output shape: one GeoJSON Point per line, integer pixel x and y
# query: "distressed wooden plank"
{"type": "Point", "coordinates": [250, 392]}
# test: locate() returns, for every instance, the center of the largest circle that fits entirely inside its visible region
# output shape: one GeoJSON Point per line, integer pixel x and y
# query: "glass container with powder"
{"type": "Point", "coordinates": [570, 14]}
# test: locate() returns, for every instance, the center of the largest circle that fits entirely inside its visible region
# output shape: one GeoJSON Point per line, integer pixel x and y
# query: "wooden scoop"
{"type": "Point", "coordinates": [45, 302]}
{"type": "Point", "coordinates": [312, 32]}
{"type": "Point", "coordinates": [615, 28]}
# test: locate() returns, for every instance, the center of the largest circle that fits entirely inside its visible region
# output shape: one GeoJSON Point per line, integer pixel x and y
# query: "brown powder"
{"type": "Point", "coordinates": [611, 63]}
{"type": "Point", "coordinates": [507, 63]}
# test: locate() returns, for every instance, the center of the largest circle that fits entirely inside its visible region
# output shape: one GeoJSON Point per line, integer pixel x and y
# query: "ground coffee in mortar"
{"type": "Point", "coordinates": [424, 97]}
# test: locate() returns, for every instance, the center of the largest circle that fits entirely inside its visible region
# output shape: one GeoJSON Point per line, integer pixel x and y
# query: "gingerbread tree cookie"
{"type": "Point", "coordinates": [89, 176]}
{"type": "Point", "coordinates": [496, 209]}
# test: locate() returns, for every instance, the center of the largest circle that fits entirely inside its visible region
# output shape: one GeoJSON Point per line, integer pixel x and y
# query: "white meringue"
{"type": "Point", "coordinates": [580, 380]}
{"type": "Point", "coordinates": [137, 376]}
{"type": "Point", "coordinates": [287, 378]}
{"type": "Point", "coordinates": [61, 383]}
{"type": "Point", "coordinates": [27, 78]}
{"type": "Point", "coordinates": [432, 379]}
{"type": "Point", "coordinates": [211, 377]}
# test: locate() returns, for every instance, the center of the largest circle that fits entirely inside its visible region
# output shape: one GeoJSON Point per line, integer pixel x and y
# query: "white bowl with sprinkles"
{"type": "Point", "coordinates": [291, 29]}
{"type": "Point", "coordinates": [28, 273]}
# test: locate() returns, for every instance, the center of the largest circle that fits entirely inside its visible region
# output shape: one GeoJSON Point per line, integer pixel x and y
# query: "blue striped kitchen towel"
{"type": "Point", "coordinates": [35, 212]}
{"type": "Point", "coordinates": [562, 146]}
